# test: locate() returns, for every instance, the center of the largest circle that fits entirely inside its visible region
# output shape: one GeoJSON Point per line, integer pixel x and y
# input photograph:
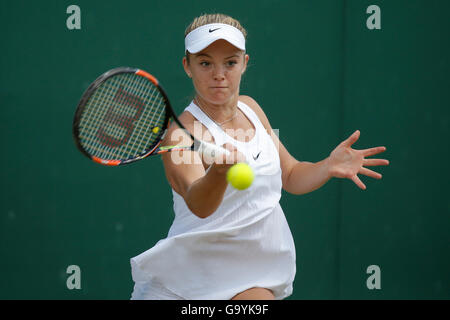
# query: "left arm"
{"type": "Point", "coordinates": [304, 177]}
{"type": "Point", "coordinates": [300, 177]}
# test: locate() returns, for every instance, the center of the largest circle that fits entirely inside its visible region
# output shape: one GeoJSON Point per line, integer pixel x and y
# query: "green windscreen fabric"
{"type": "Point", "coordinates": [318, 71]}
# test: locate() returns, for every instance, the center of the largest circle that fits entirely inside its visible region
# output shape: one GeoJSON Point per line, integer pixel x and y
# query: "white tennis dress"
{"type": "Point", "coordinates": [245, 243]}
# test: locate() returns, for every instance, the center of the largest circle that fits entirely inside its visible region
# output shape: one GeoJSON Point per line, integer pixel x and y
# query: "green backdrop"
{"type": "Point", "coordinates": [318, 72]}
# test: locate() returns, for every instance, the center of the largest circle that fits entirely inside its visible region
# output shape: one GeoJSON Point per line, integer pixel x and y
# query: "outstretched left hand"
{"type": "Point", "coordinates": [345, 162]}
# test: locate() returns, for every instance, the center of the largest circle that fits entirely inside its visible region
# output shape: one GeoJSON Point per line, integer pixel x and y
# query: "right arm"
{"type": "Point", "coordinates": [204, 195]}
{"type": "Point", "coordinates": [202, 191]}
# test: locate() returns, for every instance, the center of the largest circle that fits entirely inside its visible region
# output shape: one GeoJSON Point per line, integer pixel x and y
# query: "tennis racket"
{"type": "Point", "coordinates": [123, 116]}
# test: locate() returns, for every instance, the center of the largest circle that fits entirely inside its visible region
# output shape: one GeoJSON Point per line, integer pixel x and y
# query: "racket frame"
{"type": "Point", "coordinates": [151, 149]}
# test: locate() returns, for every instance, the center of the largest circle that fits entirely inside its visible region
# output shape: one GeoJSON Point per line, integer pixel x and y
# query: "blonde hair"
{"type": "Point", "coordinates": [213, 18]}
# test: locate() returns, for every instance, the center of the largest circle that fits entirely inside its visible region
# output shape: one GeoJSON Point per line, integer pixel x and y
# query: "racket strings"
{"type": "Point", "coordinates": [97, 120]}
{"type": "Point", "coordinates": [134, 142]}
{"type": "Point", "coordinates": [120, 118]}
{"type": "Point", "coordinates": [149, 120]}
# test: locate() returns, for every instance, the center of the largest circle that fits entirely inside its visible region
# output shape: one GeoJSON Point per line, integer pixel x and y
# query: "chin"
{"type": "Point", "coordinates": [219, 97]}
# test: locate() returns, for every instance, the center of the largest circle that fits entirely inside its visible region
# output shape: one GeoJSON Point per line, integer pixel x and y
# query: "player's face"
{"type": "Point", "coordinates": [216, 71]}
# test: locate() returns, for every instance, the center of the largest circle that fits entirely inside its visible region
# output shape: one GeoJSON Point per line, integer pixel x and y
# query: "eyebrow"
{"type": "Point", "coordinates": [207, 55]}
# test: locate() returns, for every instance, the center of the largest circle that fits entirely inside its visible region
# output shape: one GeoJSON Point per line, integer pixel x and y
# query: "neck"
{"type": "Point", "coordinates": [219, 113]}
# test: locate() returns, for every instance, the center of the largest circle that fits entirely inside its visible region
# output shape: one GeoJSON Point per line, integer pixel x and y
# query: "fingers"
{"type": "Point", "coordinates": [358, 182]}
{"type": "Point", "coordinates": [229, 147]}
{"type": "Point", "coordinates": [235, 156]}
{"type": "Point", "coordinates": [352, 139]}
{"type": "Point", "coordinates": [220, 157]}
{"type": "Point", "coordinates": [372, 151]}
{"type": "Point", "coordinates": [370, 173]}
{"type": "Point", "coordinates": [375, 162]}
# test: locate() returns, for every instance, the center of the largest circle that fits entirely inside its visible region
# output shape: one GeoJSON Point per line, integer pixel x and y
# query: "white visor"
{"type": "Point", "coordinates": [198, 39]}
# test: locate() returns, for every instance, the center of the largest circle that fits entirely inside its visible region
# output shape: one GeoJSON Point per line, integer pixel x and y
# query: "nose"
{"type": "Point", "coordinates": [219, 73]}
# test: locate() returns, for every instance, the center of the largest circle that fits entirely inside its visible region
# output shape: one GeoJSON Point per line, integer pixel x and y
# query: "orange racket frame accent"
{"type": "Point", "coordinates": [148, 76]}
{"type": "Point", "coordinates": [106, 162]}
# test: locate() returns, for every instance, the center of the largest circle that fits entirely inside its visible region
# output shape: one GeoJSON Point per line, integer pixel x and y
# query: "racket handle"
{"type": "Point", "coordinates": [210, 150]}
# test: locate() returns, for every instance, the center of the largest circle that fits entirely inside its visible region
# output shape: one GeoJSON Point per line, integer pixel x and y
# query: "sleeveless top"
{"type": "Point", "coordinates": [245, 243]}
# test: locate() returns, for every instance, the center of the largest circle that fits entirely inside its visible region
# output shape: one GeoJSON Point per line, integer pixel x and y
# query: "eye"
{"type": "Point", "coordinates": [231, 63]}
{"type": "Point", "coordinates": [204, 63]}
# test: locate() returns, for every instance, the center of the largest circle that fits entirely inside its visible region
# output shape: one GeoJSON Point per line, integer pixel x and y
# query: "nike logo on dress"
{"type": "Point", "coordinates": [257, 156]}
{"type": "Point", "coordinates": [212, 30]}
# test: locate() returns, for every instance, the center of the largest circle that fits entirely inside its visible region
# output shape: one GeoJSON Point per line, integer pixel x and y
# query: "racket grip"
{"type": "Point", "coordinates": [211, 151]}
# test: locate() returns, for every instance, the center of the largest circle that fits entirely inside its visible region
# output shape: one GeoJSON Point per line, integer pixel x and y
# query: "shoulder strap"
{"type": "Point", "coordinates": [252, 116]}
{"type": "Point", "coordinates": [207, 122]}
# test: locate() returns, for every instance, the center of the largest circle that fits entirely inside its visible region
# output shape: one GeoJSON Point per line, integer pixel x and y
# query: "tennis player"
{"type": "Point", "coordinates": [225, 243]}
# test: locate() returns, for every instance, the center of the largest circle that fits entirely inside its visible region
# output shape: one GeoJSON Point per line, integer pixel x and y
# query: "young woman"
{"type": "Point", "coordinates": [225, 243]}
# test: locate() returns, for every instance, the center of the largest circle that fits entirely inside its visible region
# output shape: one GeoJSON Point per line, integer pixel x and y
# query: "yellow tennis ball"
{"type": "Point", "coordinates": [240, 176]}
{"type": "Point", "coordinates": [155, 129]}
